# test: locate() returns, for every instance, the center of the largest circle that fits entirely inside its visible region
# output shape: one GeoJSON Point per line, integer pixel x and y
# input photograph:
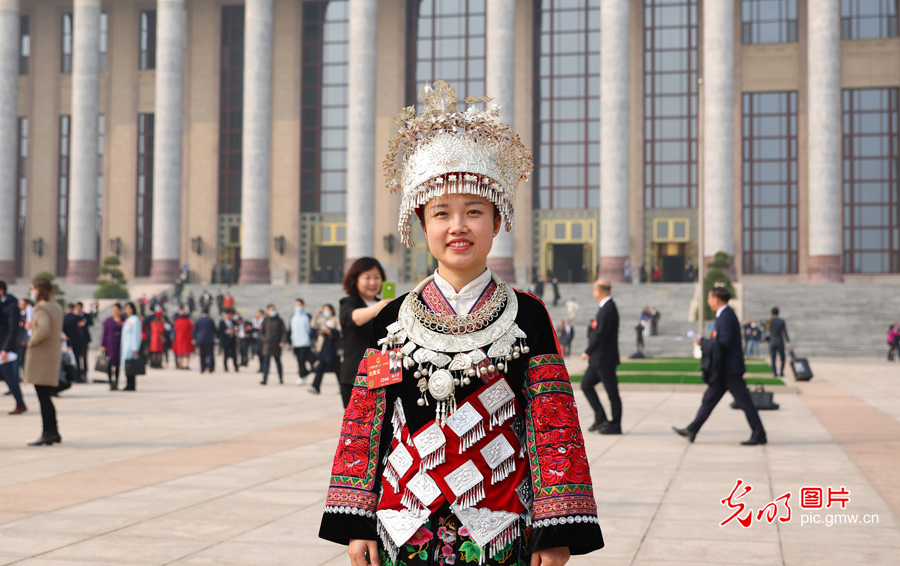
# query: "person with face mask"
{"type": "Point", "coordinates": [271, 335]}
{"type": "Point", "coordinates": [327, 344]}
{"type": "Point", "coordinates": [299, 332]}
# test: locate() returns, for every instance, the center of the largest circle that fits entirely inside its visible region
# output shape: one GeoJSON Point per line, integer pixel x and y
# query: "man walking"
{"type": "Point", "coordinates": [602, 354]}
{"type": "Point", "coordinates": [74, 328]}
{"type": "Point", "coordinates": [271, 336]}
{"type": "Point", "coordinates": [204, 336]}
{"type": "Point", "coordinates": [728, 375]}
{"type": "Point", "coordinates": [228, 340]}
{"type": "Point", "coordinates": [9, 335]}
{"type": "Point", "coordinates": [778, 338]}
{"type": "Point", "coordinates": [299, 336]}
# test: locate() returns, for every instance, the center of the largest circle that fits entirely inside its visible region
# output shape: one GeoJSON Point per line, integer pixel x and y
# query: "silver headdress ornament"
{"type": "Point", "coordinates": [443, 151]}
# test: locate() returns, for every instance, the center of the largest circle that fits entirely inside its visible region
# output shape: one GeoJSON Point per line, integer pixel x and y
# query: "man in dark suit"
{"type": "Point", "coordinates": [778, 337]}
{"type": "Point", "coordinates": [228, 339]}
{"type": "Point", "coordinates": [602, 354]}
{"type": "Point", "coordinates": [75, 329]}
{"type": "Point", "coordinates": [727, 335]}
{"type": "Point", "coordinates": [204, 337]}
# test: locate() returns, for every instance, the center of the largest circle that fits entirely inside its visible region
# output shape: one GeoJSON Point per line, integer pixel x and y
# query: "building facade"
{"type": "Point", "coordinates": [215, 133]}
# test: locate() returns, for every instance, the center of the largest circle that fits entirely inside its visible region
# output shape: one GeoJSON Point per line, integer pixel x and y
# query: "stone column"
{"type": "Point", "coordinates": [9, 134]}
{"type": "Point", "coordinates": [718, 130]}
{"type": "Point", "coordinates": [171, 21]}
{"type": "Point", "coordinates": [614, 135]}
{"type": "Point", "coordinates": [500, 85]}
{"type": "Point", "coordinates": [257, 148]}
{"type": "Point", "coordinates": [82, 268]}
{"type": "Point", "coordinates": [824, 61]}
{"type": "Point", "coordinates": [361, 130]}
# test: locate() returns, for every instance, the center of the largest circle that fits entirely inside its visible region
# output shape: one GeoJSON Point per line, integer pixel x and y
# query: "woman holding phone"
{"type": "Point", "coordinates": [362, 283]}
{"type": "Point", "coordinates": [461, 442]}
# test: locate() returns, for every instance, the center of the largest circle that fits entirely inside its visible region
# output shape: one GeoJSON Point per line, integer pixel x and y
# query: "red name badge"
{"type": "Point", "coordinates": [384, 370]}
{"type": "Point", "coordinates": [593, 325]}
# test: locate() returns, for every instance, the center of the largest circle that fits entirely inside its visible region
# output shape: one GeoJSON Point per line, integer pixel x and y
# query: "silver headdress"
{"type": "Point", "coordinates": [443, 151]}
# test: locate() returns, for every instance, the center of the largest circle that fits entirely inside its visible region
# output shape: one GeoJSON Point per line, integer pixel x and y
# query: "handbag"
{"type": "Point", "coordinates": [763, 400]}
{"type": "Point", "coordinates": [102, 364]}
{"type": "Point", "coordinates": [137, 366]}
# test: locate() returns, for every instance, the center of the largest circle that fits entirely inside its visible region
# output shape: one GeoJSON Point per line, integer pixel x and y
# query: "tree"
{"type": "Point", "coordinates": [715, 277]}
{"type": "Point", "coordinates": [112, 280]}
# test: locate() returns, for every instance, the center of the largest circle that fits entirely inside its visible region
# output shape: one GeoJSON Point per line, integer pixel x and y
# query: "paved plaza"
{"type": "Point", "coordinates": [216, 469]}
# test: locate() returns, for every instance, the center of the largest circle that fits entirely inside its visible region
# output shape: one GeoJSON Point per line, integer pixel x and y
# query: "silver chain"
{"type": "Point", "coordinates": [456, 324]}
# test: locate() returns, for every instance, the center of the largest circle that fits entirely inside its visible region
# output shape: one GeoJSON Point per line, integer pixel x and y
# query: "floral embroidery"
{"type": "Point", "coordinates": [559, 465]}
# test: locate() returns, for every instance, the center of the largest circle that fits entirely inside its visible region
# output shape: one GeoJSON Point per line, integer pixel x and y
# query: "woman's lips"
{"type": "Point", "coordinates": [460, 245]}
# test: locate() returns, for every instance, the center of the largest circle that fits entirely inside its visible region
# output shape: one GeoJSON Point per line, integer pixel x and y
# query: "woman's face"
{"type": "Point", "coordinates": [128, 310]}
{"type": "Point", "coordinates": [460, 230]}
{"type": "Point", "coordinates": [117, 312]}
{"type": "Point", "coordinates": [369, 284]}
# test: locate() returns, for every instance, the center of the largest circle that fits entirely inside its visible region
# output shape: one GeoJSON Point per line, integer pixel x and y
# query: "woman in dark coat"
{"type": "Point", "coordinates": [361, 283]}
{"type": "Point", "coordinates": [271, 335]}
{"type": "Point", "coordinates": [110, 344]}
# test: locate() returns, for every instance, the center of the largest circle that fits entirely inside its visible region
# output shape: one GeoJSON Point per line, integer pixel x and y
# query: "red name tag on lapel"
{"type": "Point", "coordinates": [594, 325]}
{"type": "Point", "coordinates": [382, 370]}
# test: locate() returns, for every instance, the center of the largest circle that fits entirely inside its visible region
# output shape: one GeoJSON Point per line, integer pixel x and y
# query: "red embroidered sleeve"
{"type": "Point", "coordinates": [352, 488]}
{"type": "Point", "coordinates": [560, 474]}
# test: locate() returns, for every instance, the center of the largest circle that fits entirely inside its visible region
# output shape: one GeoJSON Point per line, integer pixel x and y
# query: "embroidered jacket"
{"type": "Point", "coordinates": [512, 449]}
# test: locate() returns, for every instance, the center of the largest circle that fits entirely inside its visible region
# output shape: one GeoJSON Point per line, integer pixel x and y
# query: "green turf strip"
{"type": "Point", "coordinates": [687, 379]}
{"type": "Point", "coordinates": [686, 366]}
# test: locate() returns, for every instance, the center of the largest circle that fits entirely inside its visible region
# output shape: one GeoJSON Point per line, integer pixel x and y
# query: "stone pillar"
{"type": "Point", "coordinates": [824, 61]}
{"type": "Point", "coordinates": [82, 268]}
{"type": "Point", "coordinates": [500, 85]}
{"type": "Point", "coordinates": [361, 130]}
{"type": "Point", "coordinates": [718, 130]}
{"type": "Point", "coordinates": [257, 148]}
{"type": "Point", "coordinates": [170, 40]}
{"type": "Point", "coordinates": [614, 135]}
{"type": "Point", "coordinates": [9, 134]}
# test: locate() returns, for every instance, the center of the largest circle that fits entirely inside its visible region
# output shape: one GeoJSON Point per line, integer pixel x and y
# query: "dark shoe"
{"type": "Point", "coordinates": [45, 439]}
{"type": "Point", "coordinates": [18, 410]}
{"type": "Point", "coordinates": [56, 438]}
{"type": "Point", "coordinates": [754, 441]}
{"type": "Point", "coordinates": [685, 433]}
{"type": "Point", "coordinates": [611, 429]}
{"type": "Point", "coordinates": [598, 425]}
{"type": "Point", "coordinates": [262, 382]}
{"type": "Point", "coordinates": [314, 391]}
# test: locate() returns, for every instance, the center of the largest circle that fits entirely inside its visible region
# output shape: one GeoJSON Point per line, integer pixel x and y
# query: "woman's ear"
{"type": "Point", "coordinates": [497, 222]}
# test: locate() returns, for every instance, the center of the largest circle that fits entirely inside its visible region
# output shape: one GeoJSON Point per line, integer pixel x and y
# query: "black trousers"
{"type": "Point", "coordinates": [738, 388]}
{"type": "Point", "coordinates": [80, 351]}
{"type": "Point", "coordinates": [304, 354]}
{"type": "Point", "coordinates": [594, 375]}
{"type": "Point", "coordinates": [266, 362]}
{"type": "Point", "coordinates": [244, 349]}
{"type": "Point", "coordinates": [113, 383]}
{"type": "Point", "coordinates": [207, 359]}
{"type": "Point", "coordinates": [48, 411]}
{"type": "Point", "coordinates": [230, 354]}
{"type": "Point", "coordinates": [8, 372]}
{"type": "Point", "coordinates": [777, 349]}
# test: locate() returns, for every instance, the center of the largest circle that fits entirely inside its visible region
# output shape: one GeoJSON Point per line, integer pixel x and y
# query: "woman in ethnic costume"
{"type": "Point", "coordinates": [461, 442]}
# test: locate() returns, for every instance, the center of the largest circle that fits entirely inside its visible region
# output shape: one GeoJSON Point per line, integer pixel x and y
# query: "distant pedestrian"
{"type": "Point", "coordinates": [228, 301]}
{"type": "Point", "coordinates": [228, 340]}
{"type": "Point", "coordinates": [191, 303]}
{"type": "Point", "coordinates": [228, 275]}
{"type": "Point", "coordinates": [157, 338]}
{"type": "Point", "coordinates": [571, 309]}
{"type": "Point", "coordinates": [204, 338]}
{"type": "Point", "coordinates": [299, 335]}
{"type": "Point", "coordinates": [42, 365]}
{"type": "Point", "coordinates": [602, 353]}
{"type": "Point", "coordinates": [778, 339]}
{"type": "Point", "coordinates": [182, 345]}
{"type": "Point", "coordinates": [220, 302]}
{"type": "Point", "coordinates": [556, 296]}
{"type": "Point", "coordinates": [752, 335]}
{"type": "Point", "coordinates": [626, 271]}
{"type": "Point", "coordinates": [131, 344]}
{"type": "Point", "coordinates": [272, 334]}
{"type": "Point", "coordinates": [111, 345]}
{"type": "Point", "coordinates": [657, 274]}
{"type": "Point", "coordinates": [327, 343]}
{"type": "Point", "coordinates": [723, 352]}
{"type": "Point", "coordinates": [893, 341]}
{"type": "Point", "coordinates": [655, 315]}
{"type": "Point", "coordinates": [9, 335]}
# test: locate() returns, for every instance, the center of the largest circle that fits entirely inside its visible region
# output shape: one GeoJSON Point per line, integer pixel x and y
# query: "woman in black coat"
{"type": "Point", "coordinates": [362, 283]}
{"type": "Point", "coordinates": [328, 360]}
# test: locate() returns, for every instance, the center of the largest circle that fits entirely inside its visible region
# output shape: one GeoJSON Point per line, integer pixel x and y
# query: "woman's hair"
{"type": "Point", "coordinates": [328, 306]}
{"type": "Point", "coordinates": [133, 308]}
{"type": "Point", "coordinates": [359, 267]}
{"type": "Point", "coordinates": [44, 289]}
{"type": "Point", "coordinates": [117, 305]}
